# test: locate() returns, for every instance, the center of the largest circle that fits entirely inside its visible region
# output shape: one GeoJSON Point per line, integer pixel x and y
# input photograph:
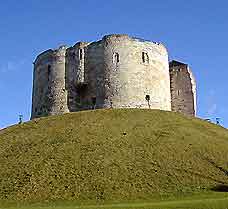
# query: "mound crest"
{"type": "Point", "coordinates": [124, 154]}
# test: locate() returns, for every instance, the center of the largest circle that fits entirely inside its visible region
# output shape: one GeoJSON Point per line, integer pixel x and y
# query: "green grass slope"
{"type": "Point", "coordinates": [109, 155]}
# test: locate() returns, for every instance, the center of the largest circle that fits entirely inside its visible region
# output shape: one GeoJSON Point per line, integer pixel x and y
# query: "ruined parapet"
{"type": "Point", "coordinates": [135, 74]}
{"type": "Point", "coordinates": [183, 88]}
{"type": "Point", "coordinates": [75, 74]}
{"type": "Point", "coordinates": [49, 93]}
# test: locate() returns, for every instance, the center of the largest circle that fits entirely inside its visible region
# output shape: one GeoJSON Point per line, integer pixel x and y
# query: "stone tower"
{"type": "Point", "coordinates": [116, 72]}
{"type": "Point", "coordinates": [183, 88]}
{"type": "Point", "coordinates": [49, 92]}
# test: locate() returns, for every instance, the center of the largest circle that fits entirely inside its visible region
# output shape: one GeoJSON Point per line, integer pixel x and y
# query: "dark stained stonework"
{"type": "Point", "coordinates": [183, 88]}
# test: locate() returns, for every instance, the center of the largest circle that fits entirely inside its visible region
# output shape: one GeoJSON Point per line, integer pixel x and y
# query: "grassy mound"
{"type": "Point", "coordinates": [111, 155]}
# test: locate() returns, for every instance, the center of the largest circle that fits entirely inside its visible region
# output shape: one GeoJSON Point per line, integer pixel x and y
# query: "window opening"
{"type": "Point", "coordinates": [80, 54]}
{"type": "Point", "coordinates": [148, 100]}
{"type": "Point", "coordinates": [178, 92]}
{"type": "Point", "coordinates": [145, 57]}
{"type": "Point", "coordinates": [49, 72]}
{"type": "Point", "coordinates": [116, 57]}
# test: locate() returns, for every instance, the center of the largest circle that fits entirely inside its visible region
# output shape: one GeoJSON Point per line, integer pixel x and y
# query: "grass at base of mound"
{"type": "Point", "coordinates": [193, 201]}
{"type": "Point", "coordinates": [107, 155]}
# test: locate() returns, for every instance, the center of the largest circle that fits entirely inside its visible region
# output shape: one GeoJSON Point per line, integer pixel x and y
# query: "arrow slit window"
{"type": "Point", "coordinates": [145, 57]}
{"type": "Point", "coordinates": [116, 57]}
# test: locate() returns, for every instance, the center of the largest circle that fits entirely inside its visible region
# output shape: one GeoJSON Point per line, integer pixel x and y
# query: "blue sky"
{"type": "Point", "coordinates": [194, 32]}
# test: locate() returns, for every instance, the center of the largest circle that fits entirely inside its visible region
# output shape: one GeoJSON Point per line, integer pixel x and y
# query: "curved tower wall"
{"type": "Point", "coordinates": [40, 84]}
{"type": "Point", "coordinates": [49, 92]}
{"type": "Point", "coordinates": [129, 76]}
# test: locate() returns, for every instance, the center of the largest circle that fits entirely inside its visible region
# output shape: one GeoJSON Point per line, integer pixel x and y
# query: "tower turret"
{"type": "Point", "coordinates": [49, 92]}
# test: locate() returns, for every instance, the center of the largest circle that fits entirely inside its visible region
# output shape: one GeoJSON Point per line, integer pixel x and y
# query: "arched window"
{"type": "Point", "coordinates": [145, 57]}
{"type": "Point", "coordinates": [49, 72]}
{"type": "Point", "coordinates": [116, 57]}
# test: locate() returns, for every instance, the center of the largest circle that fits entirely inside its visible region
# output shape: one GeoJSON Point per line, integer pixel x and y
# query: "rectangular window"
{"type": "Point", "coordinates": [49, 72]}
{"type": "Point", "coordinates": [145, 57]}
{"type": "Point", "coordinates": [80, 54]}
{"type": "Point", "coordinates": [178, 92]}
{"type": "Point", "coordinates": [116, 57]}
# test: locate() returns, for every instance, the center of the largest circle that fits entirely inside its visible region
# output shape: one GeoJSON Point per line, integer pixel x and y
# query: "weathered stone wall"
{"type": "Point", "coordinates": [116, 72]}
{"type": "Point", "coordinates": [75, 75]}
{"type": "Point", "coordinates": [94, 68]}
{"type": "Point", "coordinates": [49, 92]}
{"type": "Point", "coordinates": [41, 89]}
{"type": "Point", "coordinates": [183, 89]}
{"type": "Point", "coordinates": [128, 77]}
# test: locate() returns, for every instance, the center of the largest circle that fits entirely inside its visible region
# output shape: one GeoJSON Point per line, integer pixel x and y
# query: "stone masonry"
{"type": "Point", "coordinates": [116, 72]}
{"type": "Point", "coordinates": [183, 88]}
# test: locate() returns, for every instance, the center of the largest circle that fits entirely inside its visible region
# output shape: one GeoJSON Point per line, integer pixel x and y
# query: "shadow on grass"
{"type": "Point", "coordinates": [220, 188]}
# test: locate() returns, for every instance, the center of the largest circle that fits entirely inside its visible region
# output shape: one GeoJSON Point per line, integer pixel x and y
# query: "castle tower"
{"type": "Point", "coordinates": [135, 74]}
{"type": "Point", "coordinates": [49, 92]}
{"type": "Point", "coordinates": [116, 72]}
{"type": "Point", "coordinates": [183, 88]}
